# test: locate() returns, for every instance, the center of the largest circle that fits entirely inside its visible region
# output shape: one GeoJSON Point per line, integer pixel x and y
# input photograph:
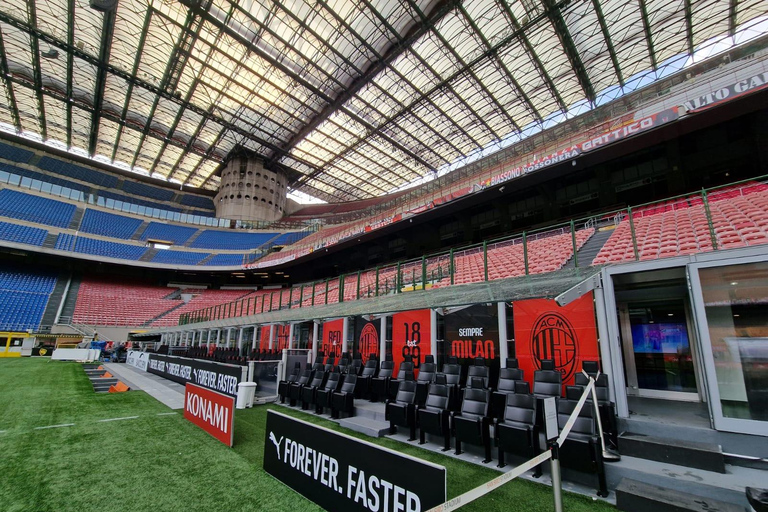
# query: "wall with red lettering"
{"type": "Point", "coordinates": [411, 335]}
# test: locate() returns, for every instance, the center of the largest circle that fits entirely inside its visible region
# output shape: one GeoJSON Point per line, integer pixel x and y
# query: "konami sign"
{"type": "Point", "coordinates": [213, 412]}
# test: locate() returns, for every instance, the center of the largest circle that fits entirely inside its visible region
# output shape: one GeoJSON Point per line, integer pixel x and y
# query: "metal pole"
{"type": "Point", "coordinates": [359, 273]}
{"type": "Point", "coordinates": [326, 290]}
{"type": "Point", "coordinates": [398, 279]}
{"type": "Point", "coordinates": [376, 293]}
{"type": "Point", "coordinates": [485, 259]}
{"type": "Point", "coordinates": [525, 251]}
{"type": "Point", "coordinates": [451, 268]}
{"type": "Point", "coordinates": [557, 483]}
{"type": "Point", "coordinates": [341, 288]}
{"type": "Point", "coordinates": [575, 247]}
{"type": "Point", "coordinates": [708, 213]}
{"type": "Point", "coordinates": [632, 230]}
{"type": "Point", "coordinates": [423, 273]}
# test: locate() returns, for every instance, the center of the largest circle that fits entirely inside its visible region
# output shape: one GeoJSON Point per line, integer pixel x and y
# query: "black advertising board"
{"type": "Point", "coordinates": [223, 378]}
{"type": "Point", "coordinates": [339, 472]}
{"type": "Point", "coordinates": [367, 336]}
{"type": "Point", "coordinates": [473, 332]}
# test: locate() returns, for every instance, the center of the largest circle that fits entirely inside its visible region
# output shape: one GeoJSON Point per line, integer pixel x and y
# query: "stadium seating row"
{"type": "Point", "coordinates": [23, 297]}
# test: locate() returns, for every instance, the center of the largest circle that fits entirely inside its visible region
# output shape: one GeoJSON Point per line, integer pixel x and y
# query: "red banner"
{"type": "Point", "coordinates": [264, 337]}
{"type": "Point", "coordinates": [211, 411]}
{"type": "Point", "coordinates": [544, 330]}
{"type": "Point", "coordinates": [411, 335]}
{"type": "Point", "coordinates": [332, 337]}
{"type": "Point", "coordinates": [282, 335]}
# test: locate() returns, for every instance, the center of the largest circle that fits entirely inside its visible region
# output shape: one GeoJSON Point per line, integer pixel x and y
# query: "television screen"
{"type": "Point", "coordinates": [662, 338]}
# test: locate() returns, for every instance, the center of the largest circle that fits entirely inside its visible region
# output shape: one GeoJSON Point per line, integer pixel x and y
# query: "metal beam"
{"type": "Point", "coordinates": [689, 26]}
{"type": "Point", "coordinates": [134, 71]}
{"type": "Point", "coordinates": [361, 81]}
{"type": "Point", "coordinates": [287, 70]}
{"type": "Point", "coordinates": [566, 41]}
{"type": "Point", "coordinates": [37, 71]}
{"type": "Point", "coordinates": [6, 77]}
{"type": "Point", "coordinates": [70, 67]}
{"type": "Point", "coordinates": [107, 30]}
{"type": "Point", "coordinates": [648, 34]}
{"type": "Point", "coordinates": [732, 10]}
{"type": "Point", "coordinates": [520, 92]}
{"type": "Point", "coordinates": [129, 78]}
{"type": "Point", "coordinates": [608, 41]}
{"type": "Point", "coordinates": [536, 61]}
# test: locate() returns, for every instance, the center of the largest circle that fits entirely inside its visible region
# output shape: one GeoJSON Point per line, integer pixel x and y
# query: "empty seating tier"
{"type": "Point", "coordinates": [23, 298]}
{"type": "Point", "coordinates": [22, 234]}
{"type": "Point", "coordinates": [110, 302]}
{"type": "Point", "coordinates": [140, 189]}
{"type": "Point", "coordinates": [228, 260]}
{"type": "Point", "coordinates": [40, 210]}
{"type": "Point", "coordinates": [179, 257]}
{"type": "Point", "coordinates": [109, 224]}
{"type": "Point", "coordinates": [96, 247]}
{"type": "Point", "coordinates": [739, 219]}
{"type": "Point", "coordinates": [167, 232]}
{"type": "Point", "coordinates": [77, 172]}
{"type": "Point", "coordinates": [15, 154]}
{"type": "Point", "coordinates": [227, 240]}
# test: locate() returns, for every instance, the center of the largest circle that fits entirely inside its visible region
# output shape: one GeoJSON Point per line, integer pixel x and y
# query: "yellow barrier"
{"type": "Point", "coordinates": [7, 338]}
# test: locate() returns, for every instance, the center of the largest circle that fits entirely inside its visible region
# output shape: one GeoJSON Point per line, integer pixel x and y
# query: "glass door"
{"type": "Point", "coordinates": [658, 355]}
{"type": "Point", "coordinates": [730, 298]}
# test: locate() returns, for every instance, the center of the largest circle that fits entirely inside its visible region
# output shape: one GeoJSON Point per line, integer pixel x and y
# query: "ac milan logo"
{"type": "Point", "coordinates": [553, 337]}
{"type": "Point", "coordinates": [368, 344]}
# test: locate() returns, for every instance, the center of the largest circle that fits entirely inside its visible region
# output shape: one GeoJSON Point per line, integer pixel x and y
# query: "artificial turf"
{"type": "Point", "coordinates": [161, 462]}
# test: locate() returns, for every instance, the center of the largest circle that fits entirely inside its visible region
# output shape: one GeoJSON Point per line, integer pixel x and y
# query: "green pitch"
{"type": "Point", "coordinates": [150, 460]}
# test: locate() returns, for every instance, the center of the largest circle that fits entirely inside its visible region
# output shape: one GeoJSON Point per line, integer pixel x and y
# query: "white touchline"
{"type": "Point", "coordinates": [55, 426]}
{"type": "Point", "coordinates": [166, 414]}
{"type": "Point", "coordinates": [119, 419]}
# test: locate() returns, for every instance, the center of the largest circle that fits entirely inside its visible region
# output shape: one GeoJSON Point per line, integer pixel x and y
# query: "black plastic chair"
{"type": "Point", "coordinates": [517, 432]}
{"type": "Point", "coordinates": [283, 385]}
{"type": "Point", "coordinates": [452, 372]}
{"type": "Point", "coordinates": [427, 372]}
{"type": "Point", "coordinates": [605, 406]}
{"type": "Point", "coordinates": [294, 388]}
{"type": "Point", "coordinates": [512, 362]}
{"type": "Point", "coordinates": [472, 425]}
{"type": "Point", "coordinates": [404, 369]}
{"type": "Point", "coordinates": [508, 377]}
{"type": "Point", "coordinates": [364, 380]}
{"type": "Point", "coordinates": [323, 395]}
{"type": "Point", "coordinates": [402, 410]}
{"type": "Point", "coordinates": [343, 400]}
{"type": "Point", "coordinates": [478, 370]}
{"type": "Point", "coordinates": [307, 393]}
{"type": "Point", "coordinates": [581, 450]}
{"type": "Point", "coordinates": [380, 383]}
{"type": "Point", "coordinates": [547, 382]}
{"type": "Point", "coordinates": [433, 417]}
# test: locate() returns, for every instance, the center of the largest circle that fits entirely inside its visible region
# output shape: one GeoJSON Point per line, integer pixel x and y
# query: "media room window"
{"type": "Point", "coordinates": [735, 301]}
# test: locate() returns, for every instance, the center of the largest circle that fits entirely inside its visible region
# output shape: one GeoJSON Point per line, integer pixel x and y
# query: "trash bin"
{"type": "Point", "coordinates": [246, 391]}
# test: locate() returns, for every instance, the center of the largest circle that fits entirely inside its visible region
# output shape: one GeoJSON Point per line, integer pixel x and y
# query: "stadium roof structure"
{"type": "Point", "coordinates": [351, 99]}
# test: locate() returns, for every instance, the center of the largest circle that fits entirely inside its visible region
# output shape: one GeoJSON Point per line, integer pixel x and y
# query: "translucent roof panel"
{"type": "Point", "coordinates": [351, 99]}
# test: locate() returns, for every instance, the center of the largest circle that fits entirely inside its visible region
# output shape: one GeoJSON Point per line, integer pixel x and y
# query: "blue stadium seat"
{"type": "Point", "coordinates": [77, 172]}
{"type": "Point", "coordinates": [19, 205]}
{"type": "Point", "coordinates": [228, 260]}
{"type": "Point", "coordinates": [291, 238]}
{"type": "Point", "coordinates": [23, 297]}
{"type": "Point", "coordinates": [22, 234]}
{"type": "Point", "coordinates": [168, 232]}
{"type": "Point", "coordinates": [198, 201]}
{"type": "Point", "coordinates": [102, 248]}
{"type": "Point", "coordinates": [109, 224]}
{"type": "Point", "coordinates": [134, 200]}
{"type": "Point", "coordinates": [53, 180]}
{"type": "Point", "coordinates": [230, 240]}
{"type": "Point", "coordinates": [152, 192]}
{"type": "Point", "coordinates": [179, 257]}
{"type": "Point", "coordinates": [15, 154]}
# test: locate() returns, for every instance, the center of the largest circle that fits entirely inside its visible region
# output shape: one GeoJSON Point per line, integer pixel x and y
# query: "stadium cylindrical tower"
{"type": "Point", "coordinates": [250, 192]}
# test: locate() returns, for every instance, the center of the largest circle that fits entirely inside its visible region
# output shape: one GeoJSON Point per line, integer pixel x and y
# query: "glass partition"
{"type": "Point", "coordinates": [731, 304]}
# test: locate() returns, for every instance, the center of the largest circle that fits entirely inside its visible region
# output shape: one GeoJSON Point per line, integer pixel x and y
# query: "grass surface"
{"type": "Point", "coordinates": [161, 462]}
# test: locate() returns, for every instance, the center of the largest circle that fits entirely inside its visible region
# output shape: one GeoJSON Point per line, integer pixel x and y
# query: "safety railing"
{"type": "Point", "coordinates": [680, 225]}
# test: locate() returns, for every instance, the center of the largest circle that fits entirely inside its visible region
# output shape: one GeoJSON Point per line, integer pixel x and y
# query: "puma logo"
{"type": "Point", "coordinates": [276, 442]}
